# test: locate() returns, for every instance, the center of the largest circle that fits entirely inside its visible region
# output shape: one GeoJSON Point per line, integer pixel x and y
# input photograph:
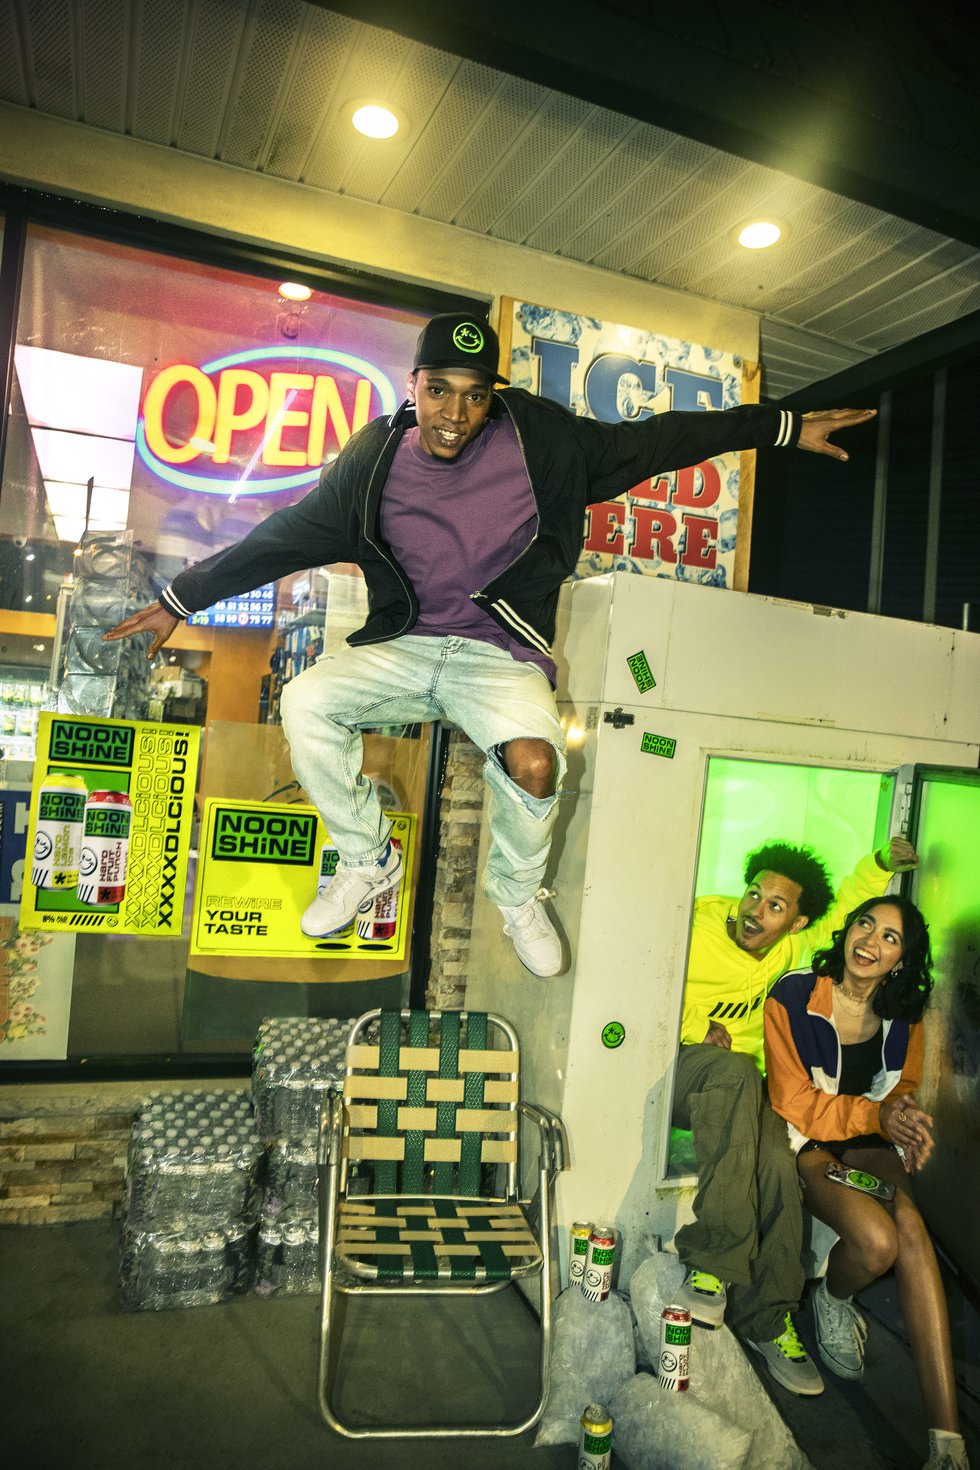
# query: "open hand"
{"type": "Point", "coordinates": [153, 619]}
{"type": "Point", "coordinates": [818, 426]}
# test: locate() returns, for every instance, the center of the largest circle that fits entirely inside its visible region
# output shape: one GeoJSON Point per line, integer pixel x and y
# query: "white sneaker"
{"type": "Point", "coordinates": [841, 1331]}
{"type": "Point", "coordinates": [705, 1297]}
{"type": "Point", "coordinates": [535, 938]}
{"type": "Point", "coordinates": [788, 1361]}
{"type": "Point", "coordinates": [351, 891]}
{"type": "Point", "coordinates": [947, 1453]}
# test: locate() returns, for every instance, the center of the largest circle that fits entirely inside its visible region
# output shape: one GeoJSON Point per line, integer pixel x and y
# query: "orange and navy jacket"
{"type": "Point", "coordinates": [803, 1062]}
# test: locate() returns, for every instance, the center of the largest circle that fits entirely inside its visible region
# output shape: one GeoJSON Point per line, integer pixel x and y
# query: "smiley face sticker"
{"type": "Point", "coordinates": [613, 1034]}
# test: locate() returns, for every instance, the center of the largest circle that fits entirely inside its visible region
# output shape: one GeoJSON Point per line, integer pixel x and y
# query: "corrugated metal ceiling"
{"type": "Point", "coordinates": [265, 86]}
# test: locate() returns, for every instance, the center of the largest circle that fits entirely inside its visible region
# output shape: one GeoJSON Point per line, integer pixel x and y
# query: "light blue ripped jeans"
{"type": "Point", "coordinates": [480, 688]}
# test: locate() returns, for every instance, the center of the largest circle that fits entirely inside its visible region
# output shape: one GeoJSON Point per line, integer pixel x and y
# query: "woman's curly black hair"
{"type": "Point", "coordinates": [901, 997]}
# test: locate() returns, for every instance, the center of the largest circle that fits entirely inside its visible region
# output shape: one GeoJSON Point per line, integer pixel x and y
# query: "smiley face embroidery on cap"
{"type": "Point", "coordinates": [468, 338]}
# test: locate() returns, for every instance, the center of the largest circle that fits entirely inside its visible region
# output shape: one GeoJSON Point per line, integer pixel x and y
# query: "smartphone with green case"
{"type": "Point", "coordinates": [859, 1179]}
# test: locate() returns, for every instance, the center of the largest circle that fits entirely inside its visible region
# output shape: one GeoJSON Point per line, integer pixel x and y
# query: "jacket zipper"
{"type": "Point", "coordinates": [381, 551]}
{"type": "Point", "coordinates": [504, 608]}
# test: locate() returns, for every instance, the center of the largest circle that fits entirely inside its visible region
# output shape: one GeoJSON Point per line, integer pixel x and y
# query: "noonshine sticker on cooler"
{"type": "Point", "coordinates": [639, 667]}
{"type": "Point", "coordinates": [663, 745]}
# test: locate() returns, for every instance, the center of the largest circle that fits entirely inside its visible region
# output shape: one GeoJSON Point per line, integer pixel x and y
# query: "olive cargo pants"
{"type": "Point", "coordinates": [748, 1226]}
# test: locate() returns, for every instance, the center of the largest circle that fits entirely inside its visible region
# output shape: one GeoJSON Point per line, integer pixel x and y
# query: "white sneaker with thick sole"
{"type": "Point", "coordinates": [788, 1361]}
{"type": "Point", "coordinates": [536, 940]}
{"type": "Point", "coordinates": [351, 891]}
{"type": "Point", "coordinates": [841, 1331]}
{"type": "Point", "coordinates": [705, 1297]}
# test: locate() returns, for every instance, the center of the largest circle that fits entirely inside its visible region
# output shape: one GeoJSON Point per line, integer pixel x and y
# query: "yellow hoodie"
{"type": "Point", "coordinates": [726, 984]}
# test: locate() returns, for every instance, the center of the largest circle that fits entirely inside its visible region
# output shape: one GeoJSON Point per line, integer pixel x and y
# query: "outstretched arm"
{"type": "Point", "coordinates": [818, 427]}
{"type": "Point", "coordinates": [153, 619]}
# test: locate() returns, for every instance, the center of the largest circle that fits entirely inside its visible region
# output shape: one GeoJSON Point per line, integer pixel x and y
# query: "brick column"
{"type": "Point", "coordinates": [461, 808]}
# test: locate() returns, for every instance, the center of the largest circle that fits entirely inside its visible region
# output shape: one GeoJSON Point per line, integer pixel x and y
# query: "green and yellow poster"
{"type": "Point", "coordinates": [110, 826]}
{"type": "Point", "coordinates": [261, 864]}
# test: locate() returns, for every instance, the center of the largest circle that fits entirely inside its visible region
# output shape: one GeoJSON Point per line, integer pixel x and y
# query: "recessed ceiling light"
{"type": "Point", "coordinates": [373, 120]}
{"type": "Point", "coordinates": [760, 234]}
{"type": "Point", "coordinates": [293, 291]}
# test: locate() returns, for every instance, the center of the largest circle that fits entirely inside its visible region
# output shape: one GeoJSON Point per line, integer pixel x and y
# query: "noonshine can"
{"type": "Point", "coordinates": [578, 1249]}
{"type": "Point", "coordinates": [595, 1439]}
{"type": "Point", "coordinates": [381, 919]}
{"type": "Point", "coordinates": [105, 848]}
{"type": "Point", "coordinates": [58, 832]}
{"type": "Point", "coordinates": [597, 1280]}
{"type": "Point", "coordinates": [675, 1347]}
{"type": "Point", "coordinates": [329, 862]}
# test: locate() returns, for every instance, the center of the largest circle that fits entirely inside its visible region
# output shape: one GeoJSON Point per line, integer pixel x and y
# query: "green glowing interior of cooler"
{"type": "Point", "coordinates": [945, 887]}
{"type": "Point", "coordinates": [841, 813]}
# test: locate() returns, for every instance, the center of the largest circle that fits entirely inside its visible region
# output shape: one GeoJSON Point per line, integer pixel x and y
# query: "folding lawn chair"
{"type": "Point", "coordinates": [419, 1179]}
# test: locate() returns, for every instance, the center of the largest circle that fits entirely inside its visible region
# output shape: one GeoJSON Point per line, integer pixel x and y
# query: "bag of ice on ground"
{"type": "Point", "coordinates": [721, 1377]}
{"type": "Point", "coordinates": [657, 1429]}
{"type": "Point", "coordinates": [591, 1356]}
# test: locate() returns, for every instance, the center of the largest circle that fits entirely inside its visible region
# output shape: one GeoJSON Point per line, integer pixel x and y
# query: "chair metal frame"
{"type": "Point", "coordinates": [338, 1145]}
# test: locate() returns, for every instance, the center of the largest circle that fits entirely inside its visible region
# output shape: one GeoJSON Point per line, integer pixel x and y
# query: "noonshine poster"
{"type": "Point", "coordinates": [110, 826]}
{"type": "Point", "coordinates": [261, 864]}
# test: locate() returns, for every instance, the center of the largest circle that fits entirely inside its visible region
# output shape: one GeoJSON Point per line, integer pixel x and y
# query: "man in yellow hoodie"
{"type": "Point", "coordinates": [743, 1249]}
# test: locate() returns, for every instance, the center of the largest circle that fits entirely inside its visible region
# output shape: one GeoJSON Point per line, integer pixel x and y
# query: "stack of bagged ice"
{"type": "Point", "coordinates": [725, 1421]}
{"type": "Point", "coordinates": [295, 1061]}
{"type": "Point", "coordinates": [193, 1185]}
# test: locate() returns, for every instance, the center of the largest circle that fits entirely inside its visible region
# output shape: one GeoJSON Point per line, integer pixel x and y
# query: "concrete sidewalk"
{"type": "Point", "coordinates": [87, 1385]}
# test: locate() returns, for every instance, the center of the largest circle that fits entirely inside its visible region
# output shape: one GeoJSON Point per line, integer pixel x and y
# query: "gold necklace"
{"type": "Point", "coordinates": [857, 999]}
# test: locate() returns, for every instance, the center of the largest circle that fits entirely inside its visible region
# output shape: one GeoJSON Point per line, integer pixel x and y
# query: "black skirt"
{"type": "Point", "coordinates": [840, 1146]}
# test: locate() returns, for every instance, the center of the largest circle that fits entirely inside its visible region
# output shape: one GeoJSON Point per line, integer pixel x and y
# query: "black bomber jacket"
{"type": "Point", "coordinates": [571, 462]}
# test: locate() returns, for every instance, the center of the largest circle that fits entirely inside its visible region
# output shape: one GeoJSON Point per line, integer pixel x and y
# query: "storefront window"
{"type": "Point", "coordinates": [168, 406]}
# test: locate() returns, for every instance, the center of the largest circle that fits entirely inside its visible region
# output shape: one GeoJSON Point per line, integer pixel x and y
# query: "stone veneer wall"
{"type": "Point", "coordinates": [461, 808]}
{"type": "Point", "coordinates": [63, 1147]}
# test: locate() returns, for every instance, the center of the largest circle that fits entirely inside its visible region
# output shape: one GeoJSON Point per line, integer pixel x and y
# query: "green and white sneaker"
{"type": "Point", "coordinates": [788, 1361]}
{"type": "Point", "coordinates": [705, 1297]}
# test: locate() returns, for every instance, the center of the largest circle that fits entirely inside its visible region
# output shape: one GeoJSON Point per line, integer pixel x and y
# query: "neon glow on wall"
{"type": "Point", "coordinates": [279, 420]}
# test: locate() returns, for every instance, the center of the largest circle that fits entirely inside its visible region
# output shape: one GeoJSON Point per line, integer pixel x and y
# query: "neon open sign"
{"type": "Point", "coordinates": [283, 419]}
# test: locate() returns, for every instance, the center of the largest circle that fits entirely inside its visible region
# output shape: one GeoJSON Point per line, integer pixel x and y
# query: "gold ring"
{"type": "Point", "coordinates": [902, 1118]}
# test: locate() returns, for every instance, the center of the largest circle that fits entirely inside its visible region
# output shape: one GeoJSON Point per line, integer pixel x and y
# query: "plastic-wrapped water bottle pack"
{"type": "Point", "coordinates": [193, 1184]}
{"type": "Point", "coordinates": [185, 1267]}
{"type": "Point", "coordinates": [294, 1061]}
{"type": "Point", "coordinates": [193, 1156]}
{"type": "Point", "coordinates": [204, 1167]}
{"type": "Point", "coordinates": [290, 1192]}
{"type": "Point", "coordinates": [286, 1257]}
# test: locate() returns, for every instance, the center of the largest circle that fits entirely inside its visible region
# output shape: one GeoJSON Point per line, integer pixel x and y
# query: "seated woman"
{"type": "Point", "coordinates": [844, 1052]}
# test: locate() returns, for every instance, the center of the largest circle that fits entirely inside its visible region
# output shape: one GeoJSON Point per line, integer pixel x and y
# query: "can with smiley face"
{"type": "Point", "coordinates": [595, 1438]}
{"type": "Point", "coordinates": [675, 1348]}
{"type": "Point", "coordinates": [597, 1281]}
{"type": "Point", "coordinates": [105, 848]}
{"type": "Point", "coordinates": [58, 832]}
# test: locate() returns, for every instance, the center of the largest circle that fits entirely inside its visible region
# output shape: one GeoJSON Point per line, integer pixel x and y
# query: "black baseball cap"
{"type": "Point", "coordinates": [457, 340]}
